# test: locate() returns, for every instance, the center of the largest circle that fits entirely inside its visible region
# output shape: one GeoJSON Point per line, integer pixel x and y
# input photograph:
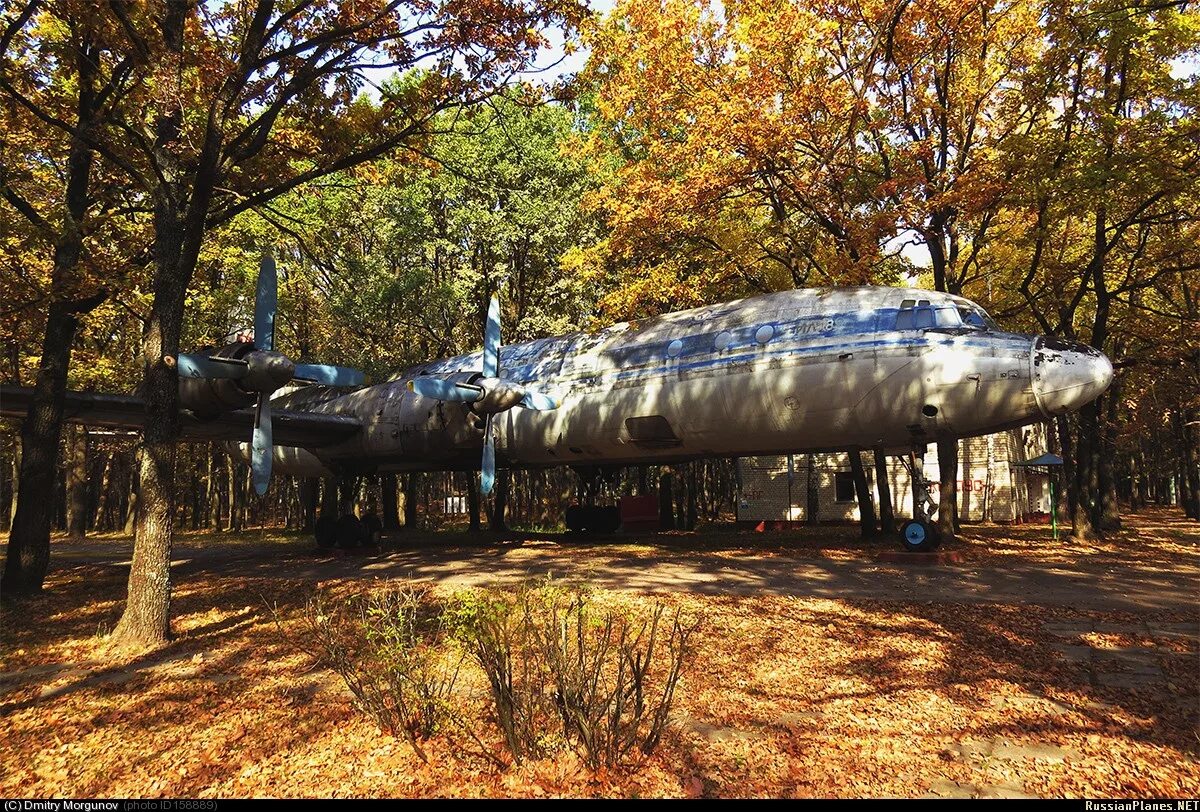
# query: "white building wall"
{"type": "Point", "coordinates": [990, 488]}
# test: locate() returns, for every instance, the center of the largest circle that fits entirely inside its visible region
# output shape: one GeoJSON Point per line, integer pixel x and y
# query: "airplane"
{"type": "Point", "coordinates": [797, 371]}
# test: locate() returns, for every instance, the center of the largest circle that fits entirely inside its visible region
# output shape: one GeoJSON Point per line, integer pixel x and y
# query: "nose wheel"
{"type": "Point", "coordinates": [919, 536]}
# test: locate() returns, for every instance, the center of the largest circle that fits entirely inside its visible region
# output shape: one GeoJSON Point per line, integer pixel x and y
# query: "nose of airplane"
{"type": "Point", "coordinates": [1067, 375]}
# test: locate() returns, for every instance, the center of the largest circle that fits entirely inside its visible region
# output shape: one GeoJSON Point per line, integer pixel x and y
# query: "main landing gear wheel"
{"type": "Point", "coordinates": [919, 536]}
{"type": "Point", "coordinates": [597, 519]}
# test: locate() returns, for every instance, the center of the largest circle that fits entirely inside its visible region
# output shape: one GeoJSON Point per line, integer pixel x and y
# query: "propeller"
{"type": "Point", "coordinates": [262, 370]}
{"type": "Point", "coordinates": [489, 394]}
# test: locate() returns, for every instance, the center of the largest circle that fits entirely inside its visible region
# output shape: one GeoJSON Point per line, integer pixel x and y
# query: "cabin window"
{"type": "Point", "coordinates": [722, 340]}
{"type": "Point", "coordinates": [674, 348]}
{"type": "Point", "coordinates": [843, 486]}
{"type": "Point", "coordinates": [764, 334]}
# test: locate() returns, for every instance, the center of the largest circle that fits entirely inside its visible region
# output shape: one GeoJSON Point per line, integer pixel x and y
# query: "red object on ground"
{"type": "Point", "coordinates": [639, 512]}
{"type": "Point", "coordinates": [905, 557]}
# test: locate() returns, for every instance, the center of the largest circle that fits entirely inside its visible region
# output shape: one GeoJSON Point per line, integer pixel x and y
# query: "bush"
{"type": "Point", "coordinates": [561, 670]}
{"type": "Point", "coordinates": [386, 647]}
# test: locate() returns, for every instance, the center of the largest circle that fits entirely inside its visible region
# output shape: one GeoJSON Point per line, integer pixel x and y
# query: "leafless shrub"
{"type": "Point", "coordinates": [386, 647]}
{"type": "Point", "coordinates": [614, 675]}
{"type": "Point", "coordinates": [562, 671]}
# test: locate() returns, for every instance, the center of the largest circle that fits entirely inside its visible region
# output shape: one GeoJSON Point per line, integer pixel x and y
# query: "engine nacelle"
{"type": "Point", "coordinates": [209, 397]}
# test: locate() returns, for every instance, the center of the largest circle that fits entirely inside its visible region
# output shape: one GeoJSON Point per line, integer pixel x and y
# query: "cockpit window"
{"type": "Point", "coordinates": [922, 314]}
{"type": "Point", "coordinates": [917, 314]}
{"type": "Point", "coordinates": [947, 317]}
{"type": "Point", "coordinates": [976, 319]}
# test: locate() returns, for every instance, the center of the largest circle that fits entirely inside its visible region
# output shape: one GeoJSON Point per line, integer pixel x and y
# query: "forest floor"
{"type": "Point", "coordinates": [1034, 668]}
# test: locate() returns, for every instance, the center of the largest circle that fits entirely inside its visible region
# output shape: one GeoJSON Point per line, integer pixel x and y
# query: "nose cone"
{"type": "Point", "coordinates": [1067, 375]}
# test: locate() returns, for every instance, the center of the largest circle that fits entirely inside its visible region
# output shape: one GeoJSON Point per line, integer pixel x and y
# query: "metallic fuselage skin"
{"type": "Point", "coordinates": [795, 371]}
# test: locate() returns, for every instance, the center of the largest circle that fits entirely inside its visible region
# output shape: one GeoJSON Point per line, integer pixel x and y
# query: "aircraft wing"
{"type": "Point", "coordinates": [290, 428]}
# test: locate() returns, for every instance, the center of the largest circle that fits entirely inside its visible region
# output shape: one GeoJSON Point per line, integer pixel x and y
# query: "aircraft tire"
{"type": "Point", "coordinates": [918, 536]}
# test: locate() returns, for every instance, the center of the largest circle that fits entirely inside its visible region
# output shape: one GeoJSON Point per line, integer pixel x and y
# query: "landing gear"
{"type": "Point", "coordinates": [598, 519]}
{"type": "Point", "coordinates": [587, 515]}
{"type": "Point", "coordinates": [919, 534]}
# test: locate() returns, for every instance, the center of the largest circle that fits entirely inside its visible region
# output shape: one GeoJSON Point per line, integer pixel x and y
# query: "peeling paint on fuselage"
{"type": "Point", "coordinates": [831, 372]}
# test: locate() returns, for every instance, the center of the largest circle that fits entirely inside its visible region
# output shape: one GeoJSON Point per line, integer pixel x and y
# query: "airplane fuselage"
{"type": "Point", "coordinates": [795, 371]}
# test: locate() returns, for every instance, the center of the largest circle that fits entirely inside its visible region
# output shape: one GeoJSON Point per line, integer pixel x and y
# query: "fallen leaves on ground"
{"type": "Point", "coordinates": [786, 697]}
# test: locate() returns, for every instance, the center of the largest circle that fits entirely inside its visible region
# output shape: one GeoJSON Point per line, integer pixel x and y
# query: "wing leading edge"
{"type": "Point", "coordinates": [291, 428]}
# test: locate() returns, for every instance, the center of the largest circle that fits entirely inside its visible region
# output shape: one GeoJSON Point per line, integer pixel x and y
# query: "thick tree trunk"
{"type": "Point", "coordinates": [887, 514]}
{"type": "Point", "coordinates": [947, 451]}
{"type": "Point", "coordinates": [28, 556]}
{"type": "Point", "coordinates": [862, 491]}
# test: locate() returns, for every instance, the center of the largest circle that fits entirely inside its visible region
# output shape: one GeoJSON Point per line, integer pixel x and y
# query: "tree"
{"type": "Point", "coordinates": [244, 103]}
{"type": "Point", "coordinates": [61, 74]}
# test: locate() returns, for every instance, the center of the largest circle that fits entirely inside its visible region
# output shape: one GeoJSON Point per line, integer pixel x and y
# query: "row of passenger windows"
{"type": "Point", "coordinates": [723, 339]}
{"type": "Point", "coordinates": [914, 314]}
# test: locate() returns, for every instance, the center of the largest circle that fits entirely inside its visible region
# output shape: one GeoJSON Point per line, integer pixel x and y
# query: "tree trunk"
{"type": "Point", "coordinates": [131, 510]}
{"type": "Point", "coordinates": [862, 491]}
{"type": "Point", "coordinates": [391, 501]}
{"type": "Point", "coordinates": [104, 494]}
{"type": "Point", "coordinates": [28, 556]}
{"type": "Point", "coordinates": [947, 451]}
{"type": "Point", "coordinates": [499, 504]}
{"type": "Point", "coordinates": [887, 514]}
{"type": "Point", "coordinates": [16, 481]}
{"type": "Point", "coordinates": [77, 482]}
{"type": "Point", "coordinates": [812, 494]}
{"type": "Point", "coordinates": [666, 501]}
{"type": "Point", "coordinates": [473, 504]}
{"type": "Point", "coordinates": [411, 488]}
{"type": "Point", "coordinates": [1086, 507]}
{"type": "Point", "coordinates": [691, 497]}
{"type": "Point", "coordinates": [234, 482]}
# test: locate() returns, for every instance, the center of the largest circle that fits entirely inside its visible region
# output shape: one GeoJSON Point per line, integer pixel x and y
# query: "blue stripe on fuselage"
{"type": "Point", "coordinates": [873, 330]}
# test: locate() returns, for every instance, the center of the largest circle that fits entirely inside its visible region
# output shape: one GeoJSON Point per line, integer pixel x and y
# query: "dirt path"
{"type": "Point", "coordinates": [1136, 583]}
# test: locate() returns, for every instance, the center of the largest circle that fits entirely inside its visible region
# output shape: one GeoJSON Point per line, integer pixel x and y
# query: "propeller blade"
{"type": "Point", "coordinates": [329, 375]}
{"type": "Point", "coordinates": [440, 389]}
{"type": "Point", "coordinates": [491, 341]}
{"type": "Point", "coordinates": [538, 402]}
{"type": "Point", "coordinates": [261, 447]}
{"type": "Point", "coordinates": [487, 472]}
{"type": "Point", "coordinates": [265, 302]}
{"type": "Point", "coordinates": [210, 366]}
